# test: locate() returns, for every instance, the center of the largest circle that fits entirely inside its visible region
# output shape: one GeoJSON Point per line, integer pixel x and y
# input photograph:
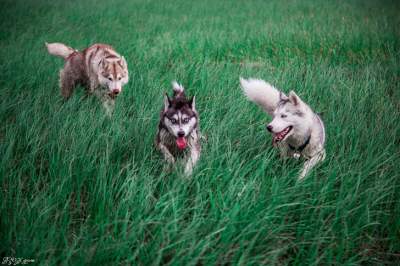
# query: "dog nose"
{"type": "Point", "coordinates": [116, 91]}
{"type": "Point", "coordinates": [269, 128]}
{"type": "Point", "coordinates": [181, 134]}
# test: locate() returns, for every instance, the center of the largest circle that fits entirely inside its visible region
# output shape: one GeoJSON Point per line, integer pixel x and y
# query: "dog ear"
{"type": "Point", "coordinates": [167, 102]}
{"type": "Point", "coordinates": [192, 103]}
{"type": "Point", "coordinates": [122, 62]}
{"type": "Point", "coordinates": [293, 98]}
{"type": "Point", "coordinates": [282, 96]}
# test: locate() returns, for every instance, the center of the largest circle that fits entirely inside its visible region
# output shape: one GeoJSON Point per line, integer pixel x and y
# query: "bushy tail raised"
{"type": "Point", "coordinates": [179, 90]}
{"type": "Point", "coordinates": [59, 49]}
{"type": "Point", "coordinates": [262, 93]}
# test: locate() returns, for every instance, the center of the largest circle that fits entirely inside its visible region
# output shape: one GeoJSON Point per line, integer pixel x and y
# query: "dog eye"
{"type": "Point", "coordinates": [119, 78]}
{"type": "Point", "coordinates": [110, 79]}
{"type": "Point", "coordinates": [173, 121]}
{"type": "Point", "coordinates": [186, 120]}
{"type": "Point", "coordinates": [283, 116]}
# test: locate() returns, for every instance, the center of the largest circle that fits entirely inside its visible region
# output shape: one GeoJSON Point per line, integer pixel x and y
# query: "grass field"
{"type": "Point", "coordinates": [79, 188]}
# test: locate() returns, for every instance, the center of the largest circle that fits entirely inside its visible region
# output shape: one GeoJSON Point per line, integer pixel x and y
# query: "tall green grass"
{"type": "Point", "coordinates": [79, 188]}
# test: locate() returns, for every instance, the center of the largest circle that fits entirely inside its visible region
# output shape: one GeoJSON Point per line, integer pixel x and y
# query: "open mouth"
{"type": "Point", "coordinates": [282, 134]}
{"type": "Point", "coordinates": [181, 143]}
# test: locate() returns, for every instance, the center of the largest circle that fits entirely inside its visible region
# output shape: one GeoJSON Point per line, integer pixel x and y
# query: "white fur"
{"type": "Point", "coordinates": [192, 160]}
{"type": "Point", "coordinates": [289, 112]}
{"type": "Point", "coordinates": [116, 83]}
{"type": "Point", "coordinates": [59, 49]}
{"type": "Point", "coordinates": [177, 87]}
{"type": "Point", "coordinates": [181, 125]}
{"type": "Point", "coordinates": [113, 85]}
{"type": "Point", "coordinates": [194, 103]}
{"type": "Point", "coordinates": [285, 116]}
{"type": "Point", "coordinates": [262, 93]}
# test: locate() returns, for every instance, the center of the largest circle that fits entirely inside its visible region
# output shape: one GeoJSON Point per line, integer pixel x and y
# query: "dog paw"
{"type": "Point", "coordinates": [188, 170]}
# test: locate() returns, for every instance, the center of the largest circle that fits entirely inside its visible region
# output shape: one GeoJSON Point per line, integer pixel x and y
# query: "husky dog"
{"type": "Point", "coordinates": [297, 130]}
{"type": "Point", "coordinates": [99, 68]}
{"type": "Point", "coordinates": [178, 131]}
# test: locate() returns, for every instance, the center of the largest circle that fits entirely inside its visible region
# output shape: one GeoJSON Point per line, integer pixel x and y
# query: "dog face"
{"type": "Point", "coordinates": [288, 117]}
{"type": "Point", "coordinates": [180, 116]}
{"type": "Point", "coordinates": [113, 75]}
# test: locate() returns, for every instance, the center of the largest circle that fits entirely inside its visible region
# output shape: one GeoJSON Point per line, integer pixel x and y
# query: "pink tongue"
{"type": "Point", "coordinates": [181, 143]}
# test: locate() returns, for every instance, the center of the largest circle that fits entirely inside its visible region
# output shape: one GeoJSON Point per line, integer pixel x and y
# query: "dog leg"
{"type": "Point", "coordinates": [194, 157]}
{"type": "Point", "coordinates": [109, 105]}
{"type": "Point", "coordinates": [67, 83]}
{"type": "Point", "coordinates": [93, 85]}
{"type": "Point", "coordinates": [310, 163]}
{"type": "Point", "coordinates": [167, 155]}
{"type": "Point", "coordinates": [107, 101]}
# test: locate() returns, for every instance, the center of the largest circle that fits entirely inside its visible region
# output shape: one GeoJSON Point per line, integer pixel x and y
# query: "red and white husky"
{"type": "Point", "coordinates": [99, 68]}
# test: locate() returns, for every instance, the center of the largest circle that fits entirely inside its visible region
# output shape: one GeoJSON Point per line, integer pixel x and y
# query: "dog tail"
{"type": "Point", "coordinates": [179, 90]}
{"type": "Point", "coordinates": [59, 49]}
{"type": "Point", "coordinates": [262, 93]}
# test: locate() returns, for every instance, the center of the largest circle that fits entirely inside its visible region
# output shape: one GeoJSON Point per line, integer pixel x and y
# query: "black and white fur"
{"type": "Point", "coordinates": [178, 119]}
{"type": "Point", "coordinates": [298, 131]}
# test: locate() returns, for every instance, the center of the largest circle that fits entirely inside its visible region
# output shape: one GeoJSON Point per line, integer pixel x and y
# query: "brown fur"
{"type": "Point", "coordinates": [73, 74]}
{"type": "Point", "coordinates": [94, 67]}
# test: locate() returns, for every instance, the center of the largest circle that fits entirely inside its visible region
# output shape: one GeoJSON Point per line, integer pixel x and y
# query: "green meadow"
{"type": "Point", "coordinates": [78, 188]}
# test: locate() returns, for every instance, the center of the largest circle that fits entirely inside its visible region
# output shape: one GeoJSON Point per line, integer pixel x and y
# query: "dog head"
{"type": "Point", "coordinates": [290, 116]}
{"type": "Point", "coordinates": [113, 74]}
{"type": "Point", "coordinates": [179, 115]}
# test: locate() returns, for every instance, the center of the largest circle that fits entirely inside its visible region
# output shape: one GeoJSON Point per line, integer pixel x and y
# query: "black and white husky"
{"type": "Point", "coordinates": [296, 129]}
{"type": "Point", "coordinates": [178, 131]}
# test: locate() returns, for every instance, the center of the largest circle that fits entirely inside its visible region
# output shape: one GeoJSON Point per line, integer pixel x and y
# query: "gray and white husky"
{"type": "Point", "coordinates": [297, 130]}
{"type": "Point", "coordinates": [178, 131]}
